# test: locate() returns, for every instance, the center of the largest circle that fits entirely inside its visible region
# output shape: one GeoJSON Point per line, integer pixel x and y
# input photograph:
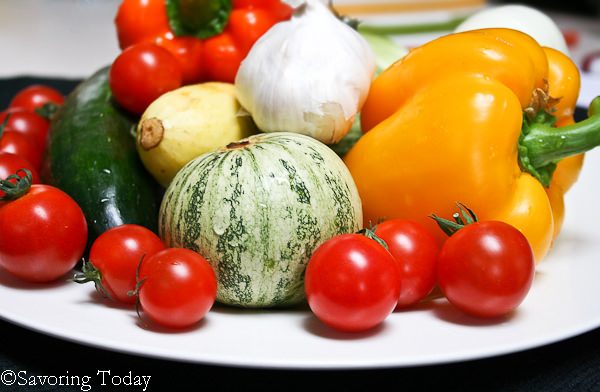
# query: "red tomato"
{"type": "Point", "coordinates": [248, 25]}
{"type": "Point", "coordinates": [18, 144]}
{"type": "Point", "coordinates": [36, 96]}
{"type": "Point", "coordinates": [179, 287]}
{"type": "Point", "coordinates": [138, 20]}
{"type": "Point", "coordinates": [222, 58]}
{"type": "Point", "coordinates": [416, 252]}
{"type": "Point", "coordinates": [277, 8]}
{"type": "Point", "coordinates": [352, 283]}
{"type": "Point", "coordinates": [44, 234]}
{"type": "Point", "coordinates": [188, 51]}
{"type": "Point", "coordinates": [11, 163]}
{"type": "Point", "coordinates": [486, 268]}
{"type": "Point", "coordinates": [116, 254]}
{"type": "Point", "coordinates": [142, 73]}
{"type": "Point", "coordinates": [34, 127]}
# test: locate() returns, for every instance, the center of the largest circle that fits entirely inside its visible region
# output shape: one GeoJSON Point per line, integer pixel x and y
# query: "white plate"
{"type": "Point", "coordinates": [564, 301]}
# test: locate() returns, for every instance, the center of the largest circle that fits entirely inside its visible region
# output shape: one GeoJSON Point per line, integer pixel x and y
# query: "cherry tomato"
{"type": "Point", "coordinates": [222, 58]}
{"type": "Point", "coordinates": [352, 283]}
{"type": "Point", "coordinates": [116, 254]}
{"type": "Point", "coordinates": [36, 96]}
{"type": "Point", "coordinates": [142, 73]}
{"type": "Point", "coordinates": [189, 53]}
{"type": "Point", "coordinates": [416, 252]}
{"type": "Point", "coordinates": [277, 8]}
{"type": "Point", "coordinates": [44, 234]}
{"type": "Point", "coordinates": [11, 163]}
{"type": "Point", "coordinates": [139, 20]}
{"type": "Point", "coordinates": [34, 127]}
{"type": "Point", "coordinates": [19, 144]}
{"type": "Point", "coordinates": [248, 25]}
{"type": "Point", "coordinates": [486, 268]}
{"type": "Point", "coordinates": [178, 287]}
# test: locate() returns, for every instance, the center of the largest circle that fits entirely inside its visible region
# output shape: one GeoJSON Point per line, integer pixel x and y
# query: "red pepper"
{"type": "Point", "coordinates": [210, 38]}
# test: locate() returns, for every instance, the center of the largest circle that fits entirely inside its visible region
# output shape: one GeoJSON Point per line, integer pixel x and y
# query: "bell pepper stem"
{"type": "Point", "coordinates": [546, 145]}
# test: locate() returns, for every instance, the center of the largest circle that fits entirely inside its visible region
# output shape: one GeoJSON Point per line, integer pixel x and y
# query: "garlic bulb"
{"type": "Point", "coordinates": [309, 75]}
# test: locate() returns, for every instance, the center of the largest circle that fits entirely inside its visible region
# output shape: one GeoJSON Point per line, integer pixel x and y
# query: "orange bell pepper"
{"type": "Point", "coordinates": [468, 118]}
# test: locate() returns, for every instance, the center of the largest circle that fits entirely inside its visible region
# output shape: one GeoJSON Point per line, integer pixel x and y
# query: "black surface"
{"type": "Point", "coordinates": [570, 365]}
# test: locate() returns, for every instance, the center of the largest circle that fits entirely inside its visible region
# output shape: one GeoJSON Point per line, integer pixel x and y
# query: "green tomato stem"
{"type": "Point", "coordinates": [198, 18]}
{"type": "Point", "coordinates": [15, 185]}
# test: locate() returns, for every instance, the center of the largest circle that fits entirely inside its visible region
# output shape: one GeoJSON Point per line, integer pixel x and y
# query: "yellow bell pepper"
{"type": "Point", "coordinates": [468, 118]}
{"type": "Point", "coordinates": [563, 82]}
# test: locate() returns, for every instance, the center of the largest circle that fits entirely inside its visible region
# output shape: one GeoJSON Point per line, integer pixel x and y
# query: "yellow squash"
{"type": "Point", "coordinates": [187, 122]}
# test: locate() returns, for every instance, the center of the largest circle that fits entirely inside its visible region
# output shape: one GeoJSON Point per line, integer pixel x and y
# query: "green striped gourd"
{"type": "Point", "coordinates": [256, 210]}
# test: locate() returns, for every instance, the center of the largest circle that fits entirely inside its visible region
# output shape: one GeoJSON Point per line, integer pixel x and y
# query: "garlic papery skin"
{"type": "Point", "coordinates": [309, 75]}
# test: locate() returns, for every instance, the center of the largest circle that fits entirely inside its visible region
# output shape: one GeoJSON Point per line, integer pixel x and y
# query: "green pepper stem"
{"type": "Point", "coordinates": [546, 144]}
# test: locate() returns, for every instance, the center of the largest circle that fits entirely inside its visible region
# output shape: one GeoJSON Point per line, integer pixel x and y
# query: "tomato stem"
{"type": "Point", "coordinates": [15, 185]}
{"type": "Point", "coordinates": [370, 233]}
{"type": "Point", "coordinates": [4, 124]}
{"type": "Point", "coordinates": [464, 217]}
{"type": "Point", "coordinates": [138, 286]}
{"type": "Point", "coordinates": [89, 273]}
{"type": "Point", "coordinates": [198, 18]}
{"type": "Point", "coordinates": [48, 110]}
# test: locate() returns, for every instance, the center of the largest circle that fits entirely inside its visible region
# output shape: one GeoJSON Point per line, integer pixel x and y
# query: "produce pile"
{"type": "Point", "coordinates": [264, 154]}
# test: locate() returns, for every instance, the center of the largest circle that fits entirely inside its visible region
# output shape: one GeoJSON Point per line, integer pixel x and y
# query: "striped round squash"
{"type": "Point", "coordinates": [256, 210]}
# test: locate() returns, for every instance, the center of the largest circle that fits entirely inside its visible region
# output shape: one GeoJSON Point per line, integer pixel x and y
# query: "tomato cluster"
{"type": "Point", "coordinates": [354, 281]}
{"type": "Point", "coordinates": [23, 132]}
{"type": "Point", "coordinates": [44, 231]}
{"type": "Point", "coordinates": [157, 59]}
{"type": "Point", "coordinates": [129, 263]}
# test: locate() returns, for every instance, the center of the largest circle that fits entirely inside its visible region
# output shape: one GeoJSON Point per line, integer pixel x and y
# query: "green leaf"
{"type": "Point", "coordinates": [198, 18]}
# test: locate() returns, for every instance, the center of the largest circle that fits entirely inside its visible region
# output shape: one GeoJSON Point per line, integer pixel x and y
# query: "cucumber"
{"type": "Point", "coordinates": [92, 157]}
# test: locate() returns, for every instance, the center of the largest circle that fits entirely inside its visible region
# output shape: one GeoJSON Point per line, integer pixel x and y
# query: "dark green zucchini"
{"type": "Point", "coordinates": [92, 157]}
